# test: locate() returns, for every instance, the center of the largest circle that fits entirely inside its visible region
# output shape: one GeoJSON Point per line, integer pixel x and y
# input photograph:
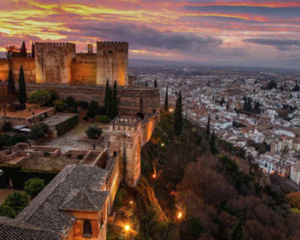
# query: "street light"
{"type": "Point", "coordinates": [179, 215]}
{"type": "Point", "coordinates": [127, 228]}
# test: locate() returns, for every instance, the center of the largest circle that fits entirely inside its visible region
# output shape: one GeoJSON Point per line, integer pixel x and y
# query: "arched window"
{"type": "Point", "coordinates": [87, 229]}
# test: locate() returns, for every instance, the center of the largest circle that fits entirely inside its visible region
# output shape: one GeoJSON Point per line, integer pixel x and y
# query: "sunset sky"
{"type": "Point", "coordinates": [261, 32]}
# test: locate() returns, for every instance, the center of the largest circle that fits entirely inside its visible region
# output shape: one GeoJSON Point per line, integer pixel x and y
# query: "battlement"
{"type": "Point", "coordinates": [55, 45]}
{"type": "Point", "coordinates": [107, 44]}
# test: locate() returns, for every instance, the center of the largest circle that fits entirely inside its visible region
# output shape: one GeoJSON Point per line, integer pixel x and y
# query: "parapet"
{"type": "Point", "coordinates": [116, 45]}
{"type": "Point", "coordinates": [55, 45]}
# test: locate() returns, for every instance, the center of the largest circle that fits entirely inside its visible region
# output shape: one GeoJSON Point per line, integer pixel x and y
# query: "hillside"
{"type": "Point", "coordinates": [221, 196]}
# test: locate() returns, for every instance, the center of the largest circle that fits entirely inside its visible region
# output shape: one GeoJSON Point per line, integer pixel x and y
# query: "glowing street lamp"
{"type": "Point", "coordinates": [127, 228]}
{"type": "Point", "coordinates": [131, 202]}
{"type": "Point", "coordinates": [162, 144]}
{"type": "Point", "coordinates": [179, 215]}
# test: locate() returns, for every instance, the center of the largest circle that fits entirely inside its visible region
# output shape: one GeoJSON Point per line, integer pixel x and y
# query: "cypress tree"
{"type": "Point", "coordinates": [178, 118]}
{"type": "Point", "coordinates": [146, 84]}
{"type": "Point", "coordinates": [213, 147]}
{"type": "Point", "coordinates": [114, 104]}
{"type": "Point", "coordinates": [11, 89]}
{"type": "Point", "coordinates": [22, 87]}
{"type": "Point", "coordinates": [238, 231]}
{"type": "Point", "coordinates": [155, 83]}
{"type": "Point", "coordinates": [32, 51]}
{"type": "Point", "coordinates": [110, 103]}
{"type": "Point", "coordinates": [208, 126]}
{"type": "Point", "coordinates": [166, 106]}
{"type": "Point", "coordinates": [180, 98]}
{"type": "Point", "coordinates": [23, 52]}
{"type": "Point", "coordinates": [107, 97]}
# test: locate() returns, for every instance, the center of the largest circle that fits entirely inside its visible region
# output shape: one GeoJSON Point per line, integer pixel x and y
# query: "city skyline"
{"type": "Point", "coordinates": [252, 33]}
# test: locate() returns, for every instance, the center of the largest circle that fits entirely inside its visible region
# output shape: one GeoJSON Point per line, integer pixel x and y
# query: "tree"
{"type": "Point", "coordinates": [93, 109]}
{"type": "Point", "coordinates": [107, 99]}
{"type": "Point", "coordinates": [93, 132]}
{"type": "Point", "coordinates": [294, 199]}
{"type": "Point", "coordinates": [114, 103]}
{"type": "Point", "coordinates": [178, 118]}
{"type": "Point", "coordinates": [13, 204]}
{"type": "Point", "coordinates": [146, 85]}
{"type": "Point", "coordinates": [191, 229]}
{"type": "Point", "coordinates": [4, 100]}
{"type": "Point", "coordinates": [12, 51]}
{"type": "Point", "coordinates": [33, 186]}
{"type": "Point", "coordinates": [238, 231]}
{"type": "Point", "coordinates": [39, 130]}
{"type": "Point", "coordinates": [11, 89]}
{"type": "Point", "coordinates": [155, 83]}
{"type": "Point", "coordinates": [7, 126]}
{"type": "Point", "coordinates": [180, 98]}
{"type": "Point", "coordinates": [32, 51]}
{"type": "Point", "coordinates": [40, 96]}
{"type": "Point", "coordinates": [222, 101]}
{"type": "Point", "coordinates": [166, 105]}
{"type": "Point", "coordinates": [213, 147]}
{"type": "Point", "coordinates": [22, 87]}
{"type": "Point", "coordinates": [23, 52]}
{"type": "Point", "coordinates": [208, 126]}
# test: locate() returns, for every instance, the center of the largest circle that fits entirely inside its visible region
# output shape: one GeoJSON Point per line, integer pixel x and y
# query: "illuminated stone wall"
{"type": "Point", "coordinates": [15, 63]}
{"type": "Point", "coordinates": [28, 65]}
{"type": "Point", "coordinates": [53, 62]}
{"type": "Point", "coordinates": [4, 68]}
{"type": "Point", "coordinates": [84, 69]}
{"type": "Point", "coordinates": [112, 63]}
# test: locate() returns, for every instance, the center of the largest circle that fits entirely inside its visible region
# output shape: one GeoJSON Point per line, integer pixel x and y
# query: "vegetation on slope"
{"type": "Point", "coordinates": [222, 196]}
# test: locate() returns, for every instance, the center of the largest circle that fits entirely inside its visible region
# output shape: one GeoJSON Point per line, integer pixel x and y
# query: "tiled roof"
{"type": "Point", "coordinates": [17, 230]}
{"type": "Point", "coordinates": [85, 200]}
{"type": "Point", "coordinates": [45, 212]}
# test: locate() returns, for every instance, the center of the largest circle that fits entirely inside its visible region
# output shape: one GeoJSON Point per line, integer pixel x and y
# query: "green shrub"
{"type": "Point", "coordinates": [46, 154]}
{"type": "Point", "coordinates": [20, 138]}
{"type": "Point", "coordinates": [83, 104]}
{"type": "Point", "coordinates": [70, 102]}
{"type": "Point", "coordinates": [13, 204]}
{"type": "Point", "coordinates": [93, 109]}
{"type": "Point", "coordinates": [93, 132]}
{"type": "Point", "coordinates": [33, 186]}
{"type": "Point", "coordinates": [6, 141]}
{"type": "Point", "coordinates": [7, 126]}
{"type": "Point", "coordinates": [40, 96]}
{"type": "Point", "coordinates": [38, 131]}
{"type": "Point", "coordinates": [104, 119]}
{"type": "Point", "coordinates": [86, 118]}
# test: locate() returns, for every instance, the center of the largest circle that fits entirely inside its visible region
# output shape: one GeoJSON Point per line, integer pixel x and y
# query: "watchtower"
{"type": "Point", "coordinates": [112, 63]}
{"type": "Point", "coordinates": [53, 62]}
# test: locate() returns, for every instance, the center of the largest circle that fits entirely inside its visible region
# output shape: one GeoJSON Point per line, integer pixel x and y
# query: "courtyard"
{"type": "Point", "coordinates": [74, 139]}
{"type": "Point", "coordinates": [31, 109]}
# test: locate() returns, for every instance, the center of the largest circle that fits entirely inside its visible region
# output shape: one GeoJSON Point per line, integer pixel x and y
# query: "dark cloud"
{"type": "Point", "coordinates": [280, 44]}
{"type": "Point", "coordinates": [272, 13]}
{"type": "Point", "coordinates": [142, 36]}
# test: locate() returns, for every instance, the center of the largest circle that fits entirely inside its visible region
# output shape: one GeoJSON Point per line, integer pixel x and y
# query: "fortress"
{"type": "Point", "coordinates": [59, 63]}
{"type": "Point", "coordinates": [78, 202]}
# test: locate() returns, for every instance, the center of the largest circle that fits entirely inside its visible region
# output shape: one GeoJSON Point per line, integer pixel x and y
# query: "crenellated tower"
{"type": "Point", "coordinates": [112, 63]}
{"type": "Point", "coordinates": [53, 62]}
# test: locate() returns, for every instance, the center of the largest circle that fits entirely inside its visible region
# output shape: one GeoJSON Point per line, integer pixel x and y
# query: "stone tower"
{"type": "Point", "coordinates": [112, 63]}
{"type": "Point", "coordinates": [53, 62]}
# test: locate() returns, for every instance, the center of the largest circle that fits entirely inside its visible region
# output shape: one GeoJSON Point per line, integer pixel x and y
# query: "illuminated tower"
{"type": "Point", "coordinates": [112, 63]}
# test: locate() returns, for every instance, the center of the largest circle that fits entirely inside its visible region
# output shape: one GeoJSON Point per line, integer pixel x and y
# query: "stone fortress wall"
{"type": "Point", "coordinates": [53, 62]}
{"type": "Point", "coordinates": [58, 63]}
